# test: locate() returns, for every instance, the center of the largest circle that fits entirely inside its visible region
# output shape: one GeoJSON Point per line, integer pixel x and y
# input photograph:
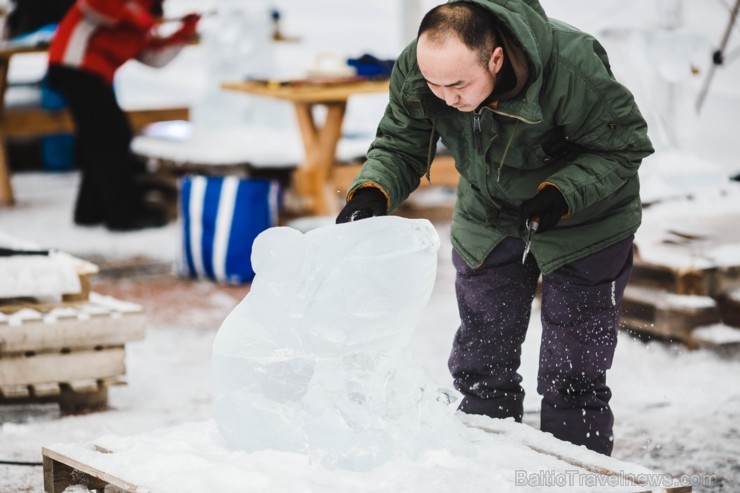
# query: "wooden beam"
{"type": "Point", "coordinates": [62, 471]}
{"type": "Point", "coordinates": [38, 121]}
{"type": "Point", "coordinates": [72, 333]}
{"type": "Point", "coordinates": [664, 314]}
{"type": "Point", "coordinates": [61, 367]}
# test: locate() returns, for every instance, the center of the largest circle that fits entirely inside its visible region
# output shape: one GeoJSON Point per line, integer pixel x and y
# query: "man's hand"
{"type": "Point", "coordinates": [548, 205]}
{"type": "Point", "coordinates": [366, 202]}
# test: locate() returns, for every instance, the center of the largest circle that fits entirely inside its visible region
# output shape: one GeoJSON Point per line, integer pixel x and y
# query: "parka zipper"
{"type": "Point", "coordinates": [429, 152]}
{"type": "Point", "coordinates": [477, 133]}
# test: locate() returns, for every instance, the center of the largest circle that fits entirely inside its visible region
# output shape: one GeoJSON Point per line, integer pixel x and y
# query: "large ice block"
{"type": "Point", "coordinates": [315, 358]}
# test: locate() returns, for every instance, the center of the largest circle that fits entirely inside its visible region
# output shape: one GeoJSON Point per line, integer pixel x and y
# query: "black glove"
{"type": "Point", "coordinates": [549, 205]}
{"type": "Point", "coordinates": [366, 202]}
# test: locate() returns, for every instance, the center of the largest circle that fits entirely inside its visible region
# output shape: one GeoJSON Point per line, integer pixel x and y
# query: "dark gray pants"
{"type": "Point", "coordinates": [580, 312]}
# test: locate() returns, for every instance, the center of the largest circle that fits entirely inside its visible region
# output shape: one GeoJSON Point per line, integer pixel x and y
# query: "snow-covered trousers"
{"type": "Point", "coordinates": [580, 313]}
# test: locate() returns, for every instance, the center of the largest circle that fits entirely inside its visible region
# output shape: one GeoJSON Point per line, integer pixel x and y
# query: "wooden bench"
{"type": "Point", "coordinates": [174, 149]}
{"type": "Point", "coordinates": [36, 121]}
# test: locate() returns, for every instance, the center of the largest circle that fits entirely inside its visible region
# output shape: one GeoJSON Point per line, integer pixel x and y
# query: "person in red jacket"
{"type": "Point", "coordinates": [93, 40]}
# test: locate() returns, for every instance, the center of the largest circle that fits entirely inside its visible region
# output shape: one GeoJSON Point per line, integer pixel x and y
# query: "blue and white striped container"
{"type": "Point", "coordinates": [220, 218]}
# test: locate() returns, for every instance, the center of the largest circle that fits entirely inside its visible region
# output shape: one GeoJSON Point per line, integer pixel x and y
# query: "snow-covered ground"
{"type": "Point", "coordinates": [676, 410]}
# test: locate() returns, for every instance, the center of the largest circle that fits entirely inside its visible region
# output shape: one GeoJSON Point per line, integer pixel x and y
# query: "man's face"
{"type": "Point", "coordinates": [454, 72]}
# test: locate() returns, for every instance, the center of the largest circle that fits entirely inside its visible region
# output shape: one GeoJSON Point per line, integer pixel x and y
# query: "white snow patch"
{"type": "Point", "coordinates": [717, 334]}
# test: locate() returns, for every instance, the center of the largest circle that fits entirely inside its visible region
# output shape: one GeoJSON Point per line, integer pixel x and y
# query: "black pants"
{"type": "Point", "coordinates": [103, 137]}
{"type": "Point", "coordinates": [580, 313]}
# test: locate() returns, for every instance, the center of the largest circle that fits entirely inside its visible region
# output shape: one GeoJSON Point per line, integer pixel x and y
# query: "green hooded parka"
{"type": "Point", "coordinates": [572, 125]}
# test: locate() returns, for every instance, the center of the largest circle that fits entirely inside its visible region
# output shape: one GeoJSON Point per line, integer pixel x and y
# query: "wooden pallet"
{"type": "Point", "coordinates": [108, 465]}
{"type": "Point", "coordinates": [709, 281]}
{"type": "Point", "coordinates": [679, 290]}
{"type": "Point", "coordinates": [671, 316]}
{"type": "Point", "coordinates": [69, 354]}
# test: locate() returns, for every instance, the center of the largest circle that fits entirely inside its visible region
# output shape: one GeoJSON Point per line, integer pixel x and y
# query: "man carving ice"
{"type": "Point", "coordinates": [540, 132]}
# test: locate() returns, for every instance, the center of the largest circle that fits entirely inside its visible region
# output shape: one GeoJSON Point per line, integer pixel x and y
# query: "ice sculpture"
{"type": "Point", "coordinates": [314, 359]}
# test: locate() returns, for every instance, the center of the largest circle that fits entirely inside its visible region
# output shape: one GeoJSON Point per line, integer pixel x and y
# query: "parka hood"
{"type": "Point", "coordinates": [527, 24]}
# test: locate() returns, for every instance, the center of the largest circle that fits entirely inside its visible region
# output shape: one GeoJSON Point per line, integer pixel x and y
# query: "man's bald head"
{"type": "Point", "coordinates": [472, 24]}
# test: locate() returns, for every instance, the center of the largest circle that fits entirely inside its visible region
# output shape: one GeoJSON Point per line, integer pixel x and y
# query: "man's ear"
{"type": "Point", "coordinates": [497, 60]}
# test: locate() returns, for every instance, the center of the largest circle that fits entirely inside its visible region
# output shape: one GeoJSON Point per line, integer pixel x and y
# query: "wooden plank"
{"type": "Point", "coordinates": [38, 121]}
{"type": "Point", "coordinates": [684, 281]}
{"type": "Point", "coordinates": [729, 308]}
{"type": "Point", "coordinates": [69, 401]}
{"type": "Point", "coordinates": [24, 122]}
{"type": "Point", "coordinates": [727, 280]}
{"type": "Point", "coordinates": [167, 171]}
{"type": "Point", "coordinates": [607, 466]}
{"type": "Point", "coordinates": [84, 386]}
{"type": "Point", "coordinates": [83, 396]}
{"type": "Point", "coordinates": [14, 391]}
{"type": "Point", "coordinates": [658, 312]}
{"type": "Point", "coordinates": [101, 330]}
{"type": "Point", "coordinates": [530, 440]}
{"type": "Point", "coordinates": [7, 197]}
{"type": "Point", "coordinates": [59, 476]}
{"type": "Point", "coordinates": [65, 469]}
{"type": "Point", "coordinates": [27, 122]}
{"type": "Point", "coordinates": [139, 119]}
{"type": "Point", "coordinates": [45, 389]}
{"type": "Point", "coordinates": [710, 281]}
{"type": "Point", "coordinates": [12, 305]}
{"type": "Point", "coordinates": [84, 293]}
{"type": "Point", "coordinates": [309, 93]}
{"type": "Point", "coordinates": [62, 367]}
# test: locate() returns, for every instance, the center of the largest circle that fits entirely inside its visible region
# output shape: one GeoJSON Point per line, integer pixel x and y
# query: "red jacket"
{"type": "Point", "coordinates": [101, 35]}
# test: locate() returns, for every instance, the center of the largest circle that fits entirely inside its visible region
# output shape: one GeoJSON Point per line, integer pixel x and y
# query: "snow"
{"type": "Point", "coordinates": [200, 448]}
{"type": "Point", "coordinates": [717, 334]}
{"type": "Point", "coordinates": [676, 410]}
{"type": "Point", "coordinates": [36, 275]}
{"type": "Point", "coordinates": [666, 301]}
{"type": "Point", "coordinates": [734, 295]}
{"type": "Point", "coordinates": [700, 231]}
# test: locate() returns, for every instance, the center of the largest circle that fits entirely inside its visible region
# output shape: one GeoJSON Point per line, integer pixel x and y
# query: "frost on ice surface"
{"type": "Point", "coordinates": [315, 359]}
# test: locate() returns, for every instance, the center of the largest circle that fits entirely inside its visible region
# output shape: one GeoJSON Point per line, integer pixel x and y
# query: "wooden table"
{"type": "Point", "coordinates": [35, 121]}
{"type": "Point", "coordinates": [320, 141]}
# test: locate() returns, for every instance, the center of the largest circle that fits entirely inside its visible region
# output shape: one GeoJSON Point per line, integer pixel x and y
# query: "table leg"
{"type": "Point", "coordinates": [320, 143]}
{"type": "Point", "coordinates": [7, 197]}
{"type": "Point", "coordinates": [6, 189]}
